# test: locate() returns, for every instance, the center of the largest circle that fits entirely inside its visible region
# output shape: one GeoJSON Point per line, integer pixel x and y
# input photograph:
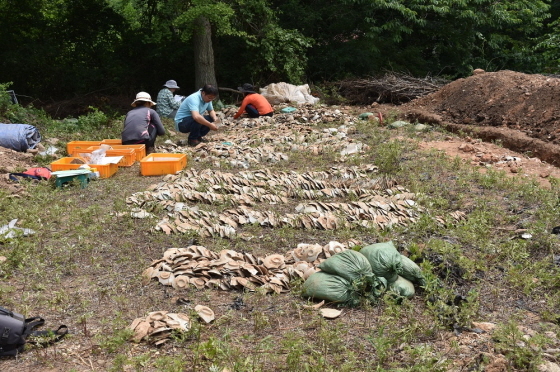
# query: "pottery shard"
{"type": "Point", "coordinates": [485, 326]}
{"type": "Point", "coordinates": [548, 367]}
{"type": "Point", "coordinates": [274, 261]}
{"type": "Point", "coordinates": [545, 173]}
{"type": "Point", "coordinates": [140, 331]}
{"type": "Point", "coordinates": [147, 275]}
{"type": "Point", "coordinates": [465, 147]}
{"type": "Point", "coordinates": [156, 316]}
{"type": "Point", "coordinates": [205, 313]}
{"type": "Point", "coordinates": [135, 323]}
{"type": "Point", "coordinates": [330, 313]}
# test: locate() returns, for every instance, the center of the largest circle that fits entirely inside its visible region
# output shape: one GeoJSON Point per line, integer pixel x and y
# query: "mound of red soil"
{"type": "Point", "coordinates": [520, 110]}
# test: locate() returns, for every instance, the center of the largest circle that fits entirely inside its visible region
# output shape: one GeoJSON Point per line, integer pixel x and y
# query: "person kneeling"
{"type": "Point", "coordinates": [142, 124]}
{"type": "Point", "coordinates": [253, 103]}
{"type": "Point", "coordinates": [190, 118]}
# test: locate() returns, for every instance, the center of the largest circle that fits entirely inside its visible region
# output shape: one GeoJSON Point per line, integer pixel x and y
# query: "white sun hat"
{"type": "Point", "coordinates": [143, 96]}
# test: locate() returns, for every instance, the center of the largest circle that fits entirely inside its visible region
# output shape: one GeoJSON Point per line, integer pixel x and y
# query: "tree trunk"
{"type": "Point", "coordinates": [203, 54]}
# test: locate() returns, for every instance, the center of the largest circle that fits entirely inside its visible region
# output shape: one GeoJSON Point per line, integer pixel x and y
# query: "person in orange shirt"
{"type": "Point", "coordinates": [253, 103]}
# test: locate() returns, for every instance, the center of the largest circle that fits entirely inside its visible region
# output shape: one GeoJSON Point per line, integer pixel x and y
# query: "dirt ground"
{"type": "Point", "coordinates": [518, 110]}
{"type": "Point", "coordinates": [505, 119]}
{"type": "Point", "coordinates": [12, 162]}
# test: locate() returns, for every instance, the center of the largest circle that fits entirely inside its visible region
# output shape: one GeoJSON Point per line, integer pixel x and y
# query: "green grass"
{"type": "Point", "coordinates": [82, 268]}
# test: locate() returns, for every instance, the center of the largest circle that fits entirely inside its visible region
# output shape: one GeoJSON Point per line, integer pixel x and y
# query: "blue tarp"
{"type": "Point", "coordinates": [19, 137]}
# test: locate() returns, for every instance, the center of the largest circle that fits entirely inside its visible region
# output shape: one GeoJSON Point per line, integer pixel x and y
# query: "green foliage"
{"type": "Point", "coordinates": [388, 157]}
{"type": "Point", "coordinates": [512, 344]}
{"type": "Point", "coordinates": [220, 15]}
{"type": "Point", "coordinates": [5, 100]}
{"type": "Point", "coordinates": [418, 36]}
{"type": "Point", "coordinates": [170, 364]}
{"type": "Point", "coordinates": [112, 343]}
{"type": "Point", "coordinates": [70, 47]}
{"type": "Point", "coordinates": [282, 52]}
{"type": "Point", "coordinates": [549, 47]}
{"type": "Point", "coordinates": [95, 119]}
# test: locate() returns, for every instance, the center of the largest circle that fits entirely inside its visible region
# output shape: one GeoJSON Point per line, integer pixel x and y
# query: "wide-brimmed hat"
{"type": "Point", "coordinates": [246, 88]}
{"type": "Point", "coordinates": [143, 96]}
{"type": "Point", "coordinates": [171, 84]}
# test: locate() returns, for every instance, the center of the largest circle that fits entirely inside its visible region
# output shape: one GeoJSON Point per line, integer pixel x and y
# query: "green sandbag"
{"type": "Point", "coordinates": [402, 287]}
{"type": "Point", "coordinates": [331, 288]}
{"type": "Point", "coordinates": [349, 264]}
{"type": "Point", "coordinates": [384, 259]}
{"type": "Point", "coordinates": [379, 287]}
{"type": "Point", "coordinates": [411, 271]}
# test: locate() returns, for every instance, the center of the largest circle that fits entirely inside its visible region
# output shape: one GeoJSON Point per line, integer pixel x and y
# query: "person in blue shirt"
{"type": "Point", "coordinates": [190, 116]}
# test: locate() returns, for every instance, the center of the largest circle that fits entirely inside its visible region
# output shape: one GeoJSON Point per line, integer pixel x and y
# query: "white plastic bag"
{"type": "Point", "coordinates": [277, 93]}
{"type": "Point", "coordinates": [96, 156]}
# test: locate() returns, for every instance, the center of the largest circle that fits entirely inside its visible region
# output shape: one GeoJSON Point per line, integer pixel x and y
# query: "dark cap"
{"type": "Point", "coordinates": [246, 88]}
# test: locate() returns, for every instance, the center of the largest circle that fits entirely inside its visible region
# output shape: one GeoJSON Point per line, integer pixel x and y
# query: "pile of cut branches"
{"type": "Point", "coordinates": [395, 88]}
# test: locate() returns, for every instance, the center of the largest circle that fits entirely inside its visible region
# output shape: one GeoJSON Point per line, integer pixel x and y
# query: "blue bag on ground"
{"type": "Point", "coordinates": [19, 137]}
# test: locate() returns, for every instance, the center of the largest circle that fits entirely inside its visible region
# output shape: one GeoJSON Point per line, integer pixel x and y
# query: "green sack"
{"type": "Point", "coordinates": [402, 287]}
{"type": "Point", "coordinates": [384, 259]}
{"type": "Point", "coordinates": [349, 264]}
{"type": "Point", "coordinates": [331, 288]}
{"type": "Point", "coordinates": [380, 286]}
{"type": "Point", "coordinates": [411, 271]}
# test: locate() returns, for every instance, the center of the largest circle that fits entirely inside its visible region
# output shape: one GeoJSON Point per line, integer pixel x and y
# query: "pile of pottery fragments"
{"type": "Point", "coordinates": [199, 267]}
{"type": "Point", "coordinates": [157, 327]}
{"type": "Point", "coordinates": [249, 142]}
{"type": "Point", "coordinates": [375, 201]}
{"type": "Point", "coordinates": [320, 199]}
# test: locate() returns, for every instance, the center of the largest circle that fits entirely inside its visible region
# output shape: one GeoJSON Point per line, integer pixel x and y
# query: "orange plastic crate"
{"type": "Point", "coordinates": [128, 155]}
{"type": "Point", "coordinates": [105, 170]}
{"type": "Point", "coordinates": [116, 141]}
{"type": "Point", "coordinates": [73, 145]}
{"type": "Point", "coordinates": [158, 164]}
{"type": "Point", "coordinates": [139, 149]}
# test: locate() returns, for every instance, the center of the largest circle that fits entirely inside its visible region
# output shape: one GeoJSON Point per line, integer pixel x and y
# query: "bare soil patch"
{"type": "Point", "coordinates": [520, 110]}
{"type": "Point", "coordinates": [11, 162]}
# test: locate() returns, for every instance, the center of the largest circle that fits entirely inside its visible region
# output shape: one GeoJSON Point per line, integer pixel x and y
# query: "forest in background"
{"type": "Point", "coordinates": [58, 49]}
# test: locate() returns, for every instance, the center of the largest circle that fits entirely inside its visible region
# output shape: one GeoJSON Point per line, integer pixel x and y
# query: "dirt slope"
{"type": "Point", "coordinates": [520, 110]}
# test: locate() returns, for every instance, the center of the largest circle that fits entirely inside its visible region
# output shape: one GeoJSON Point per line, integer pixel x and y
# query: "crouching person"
{"type": "Point", "coordinates": [190, 117]}
{"type": "Point", "coordinates": [142, 124]}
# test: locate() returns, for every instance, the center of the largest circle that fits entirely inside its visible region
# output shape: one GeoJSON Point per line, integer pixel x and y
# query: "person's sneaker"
{"type": "Point", "coordinates": [202, 139]}
{"type": "Point", "coordinates": [193, 142]}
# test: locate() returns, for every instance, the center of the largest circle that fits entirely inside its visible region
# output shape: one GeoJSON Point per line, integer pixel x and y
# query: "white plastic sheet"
{"type": "Point", "coordinates": [277, 93]}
